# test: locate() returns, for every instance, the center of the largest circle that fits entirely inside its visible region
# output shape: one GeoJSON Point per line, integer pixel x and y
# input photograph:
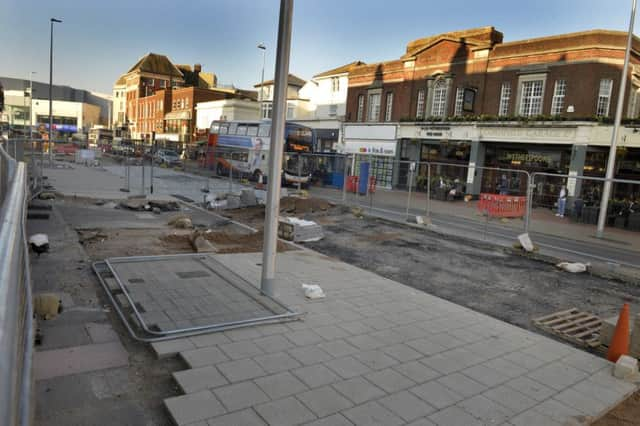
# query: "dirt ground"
{"type": "Point", "coordinates": [625, 414]}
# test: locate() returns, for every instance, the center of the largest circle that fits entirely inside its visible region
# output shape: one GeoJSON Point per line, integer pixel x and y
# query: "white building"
{"type": "Point", "coordinates": [226, 109]}
{"type": "Point", "coordinates": [118, 115]}
{"type": "Point", "coordinates": [73, 110]}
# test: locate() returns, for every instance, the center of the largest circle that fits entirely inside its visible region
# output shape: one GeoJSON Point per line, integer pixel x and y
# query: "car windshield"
{"type": "Point", "coordinates": [170, 154]}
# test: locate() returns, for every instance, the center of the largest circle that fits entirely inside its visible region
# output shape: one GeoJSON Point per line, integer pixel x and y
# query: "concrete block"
{"type": "Point", "coordinates": [281, 385]}
{"type": "Point", "coordinates": [324, 401]}
{"type": "Point", "coordinates": [197, 379]}
{"type": "Point", "coordinates": [358, 390]}
{"type": "Point", "coordinates": [372, 413]}
{"type": "Point", "coordinates": [244, 369]}
{"type": "Point", "coordinates": [285, 412]}
{"type": "Point", "coordinates": [406, 405]}
{"type": "Point", "coordinates": [626, 367]}
{"type": "Point", "coordinates": [194, 407]}
{"type": "Point", "coordinates": [316, 375]}
{"type": "Point", "coordinates": [241, 395]}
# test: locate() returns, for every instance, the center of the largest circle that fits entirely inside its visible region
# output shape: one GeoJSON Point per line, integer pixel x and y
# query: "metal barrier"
{"type": "Point", "coordinates": [16, 310]}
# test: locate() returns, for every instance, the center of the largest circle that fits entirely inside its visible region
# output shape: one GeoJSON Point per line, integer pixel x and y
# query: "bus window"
{"type": "Point", "coordinates": [242, 129]}
{"type": "Point", "coordinates": [215, 128]}
{"type": "Point", "coordinates": [232, 128]}
{"type": "Point", "coordinates": [252, 130]}
{"type": "Point", "coordinates": [223, 129]}
{"type": "Point", "coordinates": [240, 156]}
{"type": "Point", "coordinates": [263, 131]}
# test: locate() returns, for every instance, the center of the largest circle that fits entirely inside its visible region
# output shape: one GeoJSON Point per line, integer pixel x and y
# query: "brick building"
{"type": "Point", "coordinates": [470, 99]}
{"type": "Point", "coordinates": [157, 96]}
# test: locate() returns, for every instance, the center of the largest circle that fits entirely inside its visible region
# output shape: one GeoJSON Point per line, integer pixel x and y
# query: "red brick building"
{"type": "Point", "coordinates": [473, 72]}
{"type": "Point", "coordinates": [161, 98]}
{"type": "Point", "coordinates": [468, 99]}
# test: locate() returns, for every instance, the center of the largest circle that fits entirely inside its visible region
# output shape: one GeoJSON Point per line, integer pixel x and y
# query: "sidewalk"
{"type": "Point", "coordinates": [378, 352]}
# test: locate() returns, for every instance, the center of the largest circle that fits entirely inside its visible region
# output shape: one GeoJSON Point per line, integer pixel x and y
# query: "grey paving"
{"type": "Point", "coordinates": [375, 352]}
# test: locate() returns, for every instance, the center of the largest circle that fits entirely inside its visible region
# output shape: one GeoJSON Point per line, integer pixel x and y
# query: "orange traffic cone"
{"type": "Point", "coordinates": [620, 342]}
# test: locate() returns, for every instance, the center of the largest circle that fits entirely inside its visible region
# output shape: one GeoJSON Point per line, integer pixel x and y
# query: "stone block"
{"type": "Point", "coordinates": [626, 368]}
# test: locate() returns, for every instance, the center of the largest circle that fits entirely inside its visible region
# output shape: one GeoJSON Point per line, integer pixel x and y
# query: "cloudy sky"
{"type": "Point", "coordinates": [99, 40]}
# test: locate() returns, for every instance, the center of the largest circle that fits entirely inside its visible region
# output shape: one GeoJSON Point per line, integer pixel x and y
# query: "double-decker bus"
{"type": "Point", "coordinates": [242, 147]}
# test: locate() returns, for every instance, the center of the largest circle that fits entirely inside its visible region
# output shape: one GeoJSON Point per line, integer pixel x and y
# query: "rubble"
{"type": "Point", "coordinates": [89, 236]}
{"type": "Point", "coordinates": [201, 244]}
{"type": "Point", "coordinates": [180, 221]}
{"type": "Point", "coordinates": [47, 196]}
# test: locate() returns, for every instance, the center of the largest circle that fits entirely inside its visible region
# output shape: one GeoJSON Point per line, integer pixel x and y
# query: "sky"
{"type": "Point", "coordinates": [101, 39]}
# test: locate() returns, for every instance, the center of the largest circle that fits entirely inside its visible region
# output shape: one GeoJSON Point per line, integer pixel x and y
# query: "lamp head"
{"type": "Point", "coordinates": [56, 20]}
{"type": "Point", "coordinates": [262, 46]}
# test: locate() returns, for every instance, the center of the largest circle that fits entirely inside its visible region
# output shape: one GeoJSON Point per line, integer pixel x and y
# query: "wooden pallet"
{"type": "Point", "coordinates": [578, 327]}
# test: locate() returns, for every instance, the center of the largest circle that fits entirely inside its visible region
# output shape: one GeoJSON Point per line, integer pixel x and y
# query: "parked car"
{"type": "Point", "coordinates": [167, 157]}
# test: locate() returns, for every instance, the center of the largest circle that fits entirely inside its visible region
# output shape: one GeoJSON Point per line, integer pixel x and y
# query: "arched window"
{"type": "Point", "coordinates": [438, 108]}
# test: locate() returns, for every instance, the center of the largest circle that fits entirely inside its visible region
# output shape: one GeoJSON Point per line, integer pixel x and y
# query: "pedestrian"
{"type": "Point", "coordinates": [504, 185]}
{"type": "Point", "coordinates": [562, 201]}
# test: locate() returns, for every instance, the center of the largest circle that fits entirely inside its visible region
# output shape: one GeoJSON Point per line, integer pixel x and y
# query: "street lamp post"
{"type": "Point", "coordinates": [611, 163]}
{"type": "Point", "coordinates": [31, 104]}
{"type": "Point", "coordinates": [52, 21]}
{"type": "Point", "coordinates": [262, 47]}
{"type": "Point", "coordinates": [272, 209]}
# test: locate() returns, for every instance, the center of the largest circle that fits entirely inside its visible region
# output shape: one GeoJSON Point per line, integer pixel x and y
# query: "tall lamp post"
{"type": "Point", "coordinates": [611, 163]}
{"type": "Point", "coordinates": [262, 47]}
{"type": "Point", "coordinates": [31, 105]}
{"type": "Point", "coordinates": [52, 21]}
{"type": "Point", "coordinates": [272, 210]}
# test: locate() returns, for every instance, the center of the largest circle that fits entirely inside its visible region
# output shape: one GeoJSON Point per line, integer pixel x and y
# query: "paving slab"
{"type": "Point", "coordinates": [375, 352]}
{"type": "Point", "coordinates": [79, 359]}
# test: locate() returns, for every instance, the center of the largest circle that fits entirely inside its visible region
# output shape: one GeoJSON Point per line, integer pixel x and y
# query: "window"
{"type": "Point", "coordinates": [291, 109]}
{"type": "Point", "coordinates": [373, 111]}
{"type": "Point", "coordinates": [263, 131]}
{"type": "Point", "coordinates": [420, 104]}
{"type": "Point", "coordinates": [557, 103]}
{"type": "Point", "coordinates": [266, 110]}
{"type": "Point", "coordinates": [333, 110]}
{"type": "Point", "coordinates": [359, 116]}
{"type": "Point", "coordinates": [531, 98]}
{"type": "Point", "coordinates": [389, 107]}
{"type": "Point", "coordinates": [438, 108]}
{"type": "Point", "coordinates": [604, 97]}
{"type": "Point", "coordinates": [241, 130]}
{"type": "Point", "coordinates": [252, 130]}
{"type": "Point", "coordinates": [459, 101]}
{"type": "Point", "coordinates": [335, 84]}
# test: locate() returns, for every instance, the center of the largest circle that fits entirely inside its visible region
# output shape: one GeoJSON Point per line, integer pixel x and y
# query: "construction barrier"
{"type": "Point", "coordinates": [502, 205]}
{"type": "Point", "coordinates": [353, 183]}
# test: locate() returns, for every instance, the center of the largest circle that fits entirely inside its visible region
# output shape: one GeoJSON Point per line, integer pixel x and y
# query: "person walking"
{"type": "Point", "coordinates": [562, 201]}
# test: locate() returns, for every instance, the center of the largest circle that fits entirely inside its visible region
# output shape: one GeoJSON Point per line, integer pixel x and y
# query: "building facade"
{"type": "Point", "coordinates": [73, 110]}
{"type": "Point", "coordinates": [468, 99]}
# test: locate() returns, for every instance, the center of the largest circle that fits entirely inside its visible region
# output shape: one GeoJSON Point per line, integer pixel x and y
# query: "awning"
{"type": "Point", "coordinates": [178, 115]}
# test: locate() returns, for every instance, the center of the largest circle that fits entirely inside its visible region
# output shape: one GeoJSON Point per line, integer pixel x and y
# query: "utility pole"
{"type": "Point", "coordinates": [611, 163]}
{"type": "Point", "coordinates": [277, 145]}
{"type": "Point", "coordinates": [52, 21]}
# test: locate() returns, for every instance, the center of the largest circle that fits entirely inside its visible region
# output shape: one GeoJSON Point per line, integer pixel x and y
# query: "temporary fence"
{"type": "Point", "coordinates": [582, 198]}
{"type": "Point", "coordinates": [502, 205]}
{"type": "Point", "coordinates": [16, 310]}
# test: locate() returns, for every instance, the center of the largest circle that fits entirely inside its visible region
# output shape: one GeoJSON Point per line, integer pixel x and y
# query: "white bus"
{"type": "Point", "coordinates": [242, 147]}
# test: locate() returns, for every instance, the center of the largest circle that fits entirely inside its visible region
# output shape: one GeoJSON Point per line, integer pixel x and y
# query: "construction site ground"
{"type": "Point", "coordinates": [484, 278]}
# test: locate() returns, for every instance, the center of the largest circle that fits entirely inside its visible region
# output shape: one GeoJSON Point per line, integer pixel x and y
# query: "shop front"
{"type": "Point", "coordinates": [376, 145]}
{"type": "Point", "coordinates": [449, 158]}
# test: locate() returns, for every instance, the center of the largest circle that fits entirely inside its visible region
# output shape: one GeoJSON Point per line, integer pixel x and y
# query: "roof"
{"type": "Point", "coordinates": [340, 70]}
{"type": "Point", "coordinates": [157, 64]}
{"type": "Point", "coordinates": [293, 81]}
{"type": "Point", "coordinates": [474, 36]}
{"type": "Point", "coordinates": [121, 81]}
